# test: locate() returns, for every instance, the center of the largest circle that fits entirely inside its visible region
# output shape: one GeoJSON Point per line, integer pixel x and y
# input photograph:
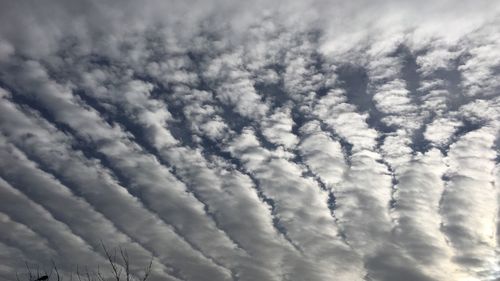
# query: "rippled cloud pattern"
{"type": "Point", "coordinates": [284, 141]}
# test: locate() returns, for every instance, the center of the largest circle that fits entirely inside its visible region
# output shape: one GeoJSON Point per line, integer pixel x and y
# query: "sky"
{"type": "Point", "coordinates": [300, 140]}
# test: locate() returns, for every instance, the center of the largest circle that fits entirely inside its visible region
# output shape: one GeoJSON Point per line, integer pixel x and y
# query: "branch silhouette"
{"type": "Point", "coordinates": [119, 270]}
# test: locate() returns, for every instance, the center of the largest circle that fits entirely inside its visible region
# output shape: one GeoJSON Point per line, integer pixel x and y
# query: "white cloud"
{"type": "Point", "coordinates": [292, 140]}
{"type": "Point", "coordinates": [441, 130]}
{"type": "Point", "coordinates": [471, 228]}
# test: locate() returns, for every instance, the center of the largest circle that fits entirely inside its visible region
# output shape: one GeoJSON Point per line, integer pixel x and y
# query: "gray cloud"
{"type": "Point", "coordinates": [292, 140]}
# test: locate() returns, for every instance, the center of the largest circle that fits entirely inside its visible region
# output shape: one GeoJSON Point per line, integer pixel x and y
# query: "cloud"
{"type": "Point", "coordinates": [292, 140]}
{"type": "Point", "coordinates": [471, 167]}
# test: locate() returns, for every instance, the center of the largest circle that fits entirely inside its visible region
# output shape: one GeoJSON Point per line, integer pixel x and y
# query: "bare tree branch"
{"type": "Point", "coordinates": [118, 266]}
{"type": "Point", "coordinates": [99, 275]}
{"type": "Point", "coordinates": [87, 273]}
{"type": "Point", "coordinates": [29, 270]}
{"type": "Point", "coordinates": [56, 270]}
{"type": "Point", "coordinates": [78, 273]}
{"type": "Point", "coordinates": [112, 262]}
{"type": "Point", "coordinates": [147, 271]}
{"type": "Point", "coordinates": [125, 259]}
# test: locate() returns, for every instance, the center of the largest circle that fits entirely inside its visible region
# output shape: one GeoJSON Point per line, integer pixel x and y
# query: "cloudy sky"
{"type": "Point", "coordinates": [301, 140]}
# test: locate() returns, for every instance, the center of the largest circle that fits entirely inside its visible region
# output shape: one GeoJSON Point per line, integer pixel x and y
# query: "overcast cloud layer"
{"type": "Point", "coordinates": [273, 140]}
